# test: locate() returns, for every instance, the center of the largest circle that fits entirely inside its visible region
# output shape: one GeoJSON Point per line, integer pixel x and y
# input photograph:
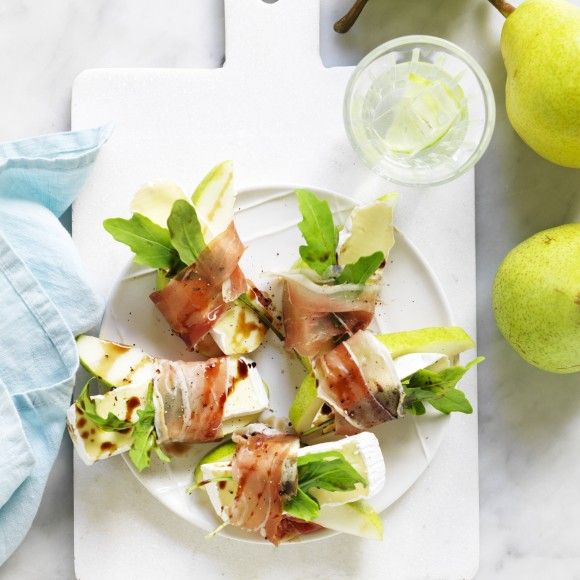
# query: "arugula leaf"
{"type": "Point", "coordinates": [185, 231]}
{"type": "Point", "coordinates": [145, 437]}
{"type": "Point", "coordinates": [87, 406]}
{"type": "Point", "coordinates": [326, 470]}
{"type": "Point", "coordinates": [361, 270]}
{"type": "Point", "coordinates": [322, 456]}
{"type": "Point", "coordinates": [438, 389]}
{"type": "Point", "coordinates": [149, 242]}
{"type": "Point", "coordinates": [452, 400]}
{"type": "Point", "coordinates": [302, 506]}
{"type": "Point", "coordinates": [319, 232]}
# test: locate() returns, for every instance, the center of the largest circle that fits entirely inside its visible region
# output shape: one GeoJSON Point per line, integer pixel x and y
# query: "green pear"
{"type": "Point", "coordinates": [540, 44]}
{"type": "Point", "coordinates": [222, 452]}
{"type": "Point", "coordinates": [536, 299]}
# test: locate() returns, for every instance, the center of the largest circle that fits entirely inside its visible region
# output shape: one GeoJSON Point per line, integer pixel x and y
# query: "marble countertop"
{"type": "Point", "coordinates": [529, 420]}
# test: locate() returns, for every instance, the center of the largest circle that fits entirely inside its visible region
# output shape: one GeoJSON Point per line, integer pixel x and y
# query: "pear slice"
{"type": "Point", "coordinates": [114, 364]}
{"type": "Point", "coordinates": [222, 452]}
{"type": "Point", "coordinates": [214, 200]}
{"type": "Point", "coordinates": [371, 230]}
{"type": "Point", "coordinates": [155, 199]}
{"type": "Point", "coordinates": [238, 331]}
{"type": "Point", "coordinates": [408, 364]}
{"type": "Point", "coordinates": [305, 405]}
{"type": "Point", "coordinates": [357, 518]}
{"type": "Point", "coordinates": [447, 340]}
{"type": "Point", "coordinates": [424, 115]}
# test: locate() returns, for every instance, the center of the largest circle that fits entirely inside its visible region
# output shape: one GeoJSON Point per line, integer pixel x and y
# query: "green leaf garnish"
{"type": "Point", "coordinates": [361, 270]}
{"type": "Point", "coordinates": [326, 470]}
{"type": "Point", "coordinates": [302, 506]}
{"type": "Point", "coordinates": [185, 231]}
{"type": "Point", "coordinates": [320, 233]}
{"type": "Point", "coordinates": [438, 389]}
{"type": "Point", "coordinates": [150, 243]}
{"type": "Point", "coordinates": [87, 406]}
{"type": "Point", "coordinates": [321, 236]}
{"type": "Point", "coordinates": [145, 437]}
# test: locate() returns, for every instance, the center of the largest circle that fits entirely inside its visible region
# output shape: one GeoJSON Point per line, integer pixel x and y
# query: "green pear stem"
{"type": "Point", "coordinates": [345, 23]}
{"type": "Point", "coordinates": [504, 8]}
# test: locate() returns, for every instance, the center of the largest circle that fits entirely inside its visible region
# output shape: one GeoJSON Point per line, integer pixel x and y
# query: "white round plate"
{"type": "Point", "coordinates": [266, 219]}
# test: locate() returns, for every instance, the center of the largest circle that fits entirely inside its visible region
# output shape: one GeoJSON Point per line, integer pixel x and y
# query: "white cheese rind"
{"type": "Point", "coordinates": [408, 364]}
{"type": "Point", "coordinates": [247, 400]}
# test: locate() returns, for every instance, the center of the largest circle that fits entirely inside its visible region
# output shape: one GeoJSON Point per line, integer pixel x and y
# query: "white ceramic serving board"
{"type": "Point", "coordinates": [277, 112]}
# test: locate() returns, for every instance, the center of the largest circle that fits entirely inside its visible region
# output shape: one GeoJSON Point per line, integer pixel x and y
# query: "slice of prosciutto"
{"type": "Point", "coordinates": [264, 468]}
{"type": "Point", "coordinates": [189, 399]}
{"type": "Point", "coordinates": [318, 317]}
{"type": "Point", "coordinates": [194, 300]}
{"type": "Point", "coordinates": [359, 381]}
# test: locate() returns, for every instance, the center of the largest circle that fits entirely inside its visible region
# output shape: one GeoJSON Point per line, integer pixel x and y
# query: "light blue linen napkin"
{"type": "Point", "coordinates": [44, 303]}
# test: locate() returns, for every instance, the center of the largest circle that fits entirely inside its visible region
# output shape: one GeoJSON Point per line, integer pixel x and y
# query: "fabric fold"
{"type": "Point", "coordinates": [15, 466]}
{"type": "Point", "coordinates": [45, 302]}
{"type": "Point", "coordinates": [50, 169]}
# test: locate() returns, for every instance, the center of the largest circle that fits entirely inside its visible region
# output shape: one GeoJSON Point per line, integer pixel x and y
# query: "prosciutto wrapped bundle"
{"type": "Point", "coordinates": [330, 294]}
{"type": "Point", "coordinates": [189, 400]}
{"type": "Point", "coordinates": [193, 245]}
{"type": "Point", "coordinates": [367, 380]}
{"type": "Point", "coordinates": [153, 401]}
{"type": "Point", "coordinates": [360, 383]}
{"type": "Point", "coordinates": [263, 482]}
{"type": "Point", "coordinates": [194, 300]}
{"type": "Point", "coordinates": [317, 318]}
{"type": "Point", "coordinates": [265, 471]}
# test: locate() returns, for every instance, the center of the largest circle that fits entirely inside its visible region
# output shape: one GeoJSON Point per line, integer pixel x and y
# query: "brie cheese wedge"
{"type": "Point", "coordinates": [247, 395]}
